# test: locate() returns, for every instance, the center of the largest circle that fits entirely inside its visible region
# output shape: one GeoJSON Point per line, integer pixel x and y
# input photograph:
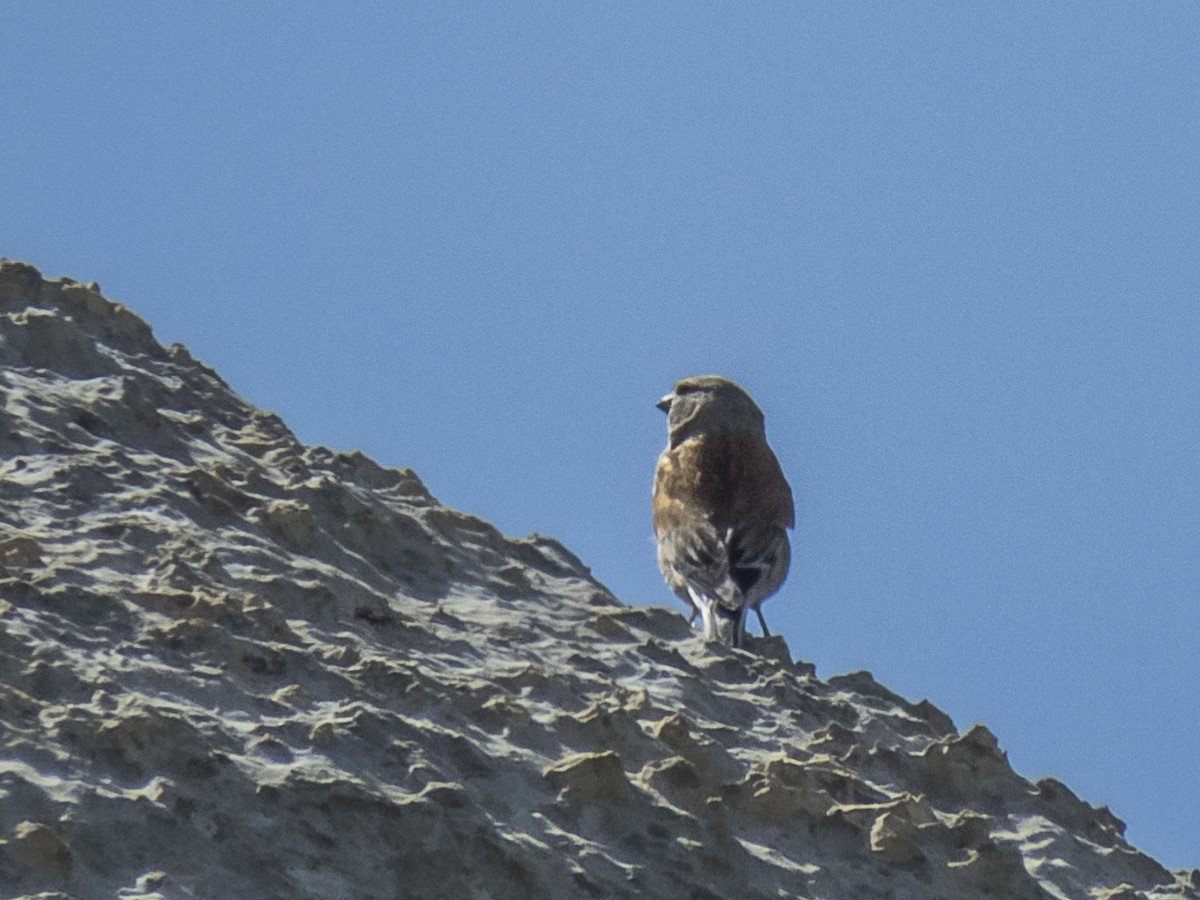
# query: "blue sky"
{"type": "Point", "coordinates": [952, 249]}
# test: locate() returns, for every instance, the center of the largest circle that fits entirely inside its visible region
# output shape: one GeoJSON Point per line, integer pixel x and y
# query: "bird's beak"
{"type": "Point", "coordinates": [665, 403]}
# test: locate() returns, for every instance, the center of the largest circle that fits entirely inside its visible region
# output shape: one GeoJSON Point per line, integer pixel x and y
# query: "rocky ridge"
{"type": "Point", "coordinates": [232, 665]}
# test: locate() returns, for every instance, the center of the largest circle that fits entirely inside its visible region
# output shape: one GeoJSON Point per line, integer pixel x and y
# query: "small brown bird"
{"type": "Point", "coordinates": [721, 506]}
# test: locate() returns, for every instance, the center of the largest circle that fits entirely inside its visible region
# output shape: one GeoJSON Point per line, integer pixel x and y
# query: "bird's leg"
{"type": "Point", "coordinates": [709, 616]}
{"type": "Point", "coordinates": [739, 629]}
{"type": "Point", "coordinates": [707, 607]}
{"type": "Point", "coordinates": [762, 622]}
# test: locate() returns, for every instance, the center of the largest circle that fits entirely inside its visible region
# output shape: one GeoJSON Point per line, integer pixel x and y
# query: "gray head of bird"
{"type": "Point", "coordinates": [705, 403]}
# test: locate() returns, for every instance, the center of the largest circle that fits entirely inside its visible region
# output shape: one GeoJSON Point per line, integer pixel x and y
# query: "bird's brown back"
{"type": "Point", "coordinates": [730, 477]}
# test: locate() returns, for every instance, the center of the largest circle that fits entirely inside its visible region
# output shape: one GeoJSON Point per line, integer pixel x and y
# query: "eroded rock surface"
{"type": "Point", "coordinates": [232, 665]}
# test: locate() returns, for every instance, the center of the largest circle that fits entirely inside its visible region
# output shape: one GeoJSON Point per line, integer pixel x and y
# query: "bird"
{"type": "Point", "coordinates": [721, 507]}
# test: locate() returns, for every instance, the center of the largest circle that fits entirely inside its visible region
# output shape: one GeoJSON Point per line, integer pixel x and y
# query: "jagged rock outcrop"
{"type": "Point", "coordinates": [235, 666]}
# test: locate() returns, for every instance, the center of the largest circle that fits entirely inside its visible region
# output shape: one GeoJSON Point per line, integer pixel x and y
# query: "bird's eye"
{"type": "Point", "coordinates": [682, 389]}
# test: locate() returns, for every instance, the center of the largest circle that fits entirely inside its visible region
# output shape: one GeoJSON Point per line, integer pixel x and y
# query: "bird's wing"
{"type": "Point", "coordinates": [696, 557]}
{"type": "Point", "coordinates": [691, 551]}
{"type": "Point", "coordinates": [759, 557]}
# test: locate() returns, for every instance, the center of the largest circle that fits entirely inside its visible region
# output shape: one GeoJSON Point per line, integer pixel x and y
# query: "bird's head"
{"type": "Point", "coordinates": [704, 403]}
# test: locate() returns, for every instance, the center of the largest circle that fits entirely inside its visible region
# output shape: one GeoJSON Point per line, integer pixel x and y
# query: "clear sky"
{"type": "Point", "coordinates": [953, 250]}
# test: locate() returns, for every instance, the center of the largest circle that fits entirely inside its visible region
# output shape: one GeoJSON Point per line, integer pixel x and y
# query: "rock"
{"type": "Point", "coordinates": [232, 665]}
{"type": "Point", "coordinates": [292, 523]}
{"type": "Point", "coordinates": [589, 778]}
{"type": "Point", "coordinates": [896, 837]}
{"type": "Point", "coordinates": [39, 851]}
{"type": "Point", "coordinates": [20, 553]}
